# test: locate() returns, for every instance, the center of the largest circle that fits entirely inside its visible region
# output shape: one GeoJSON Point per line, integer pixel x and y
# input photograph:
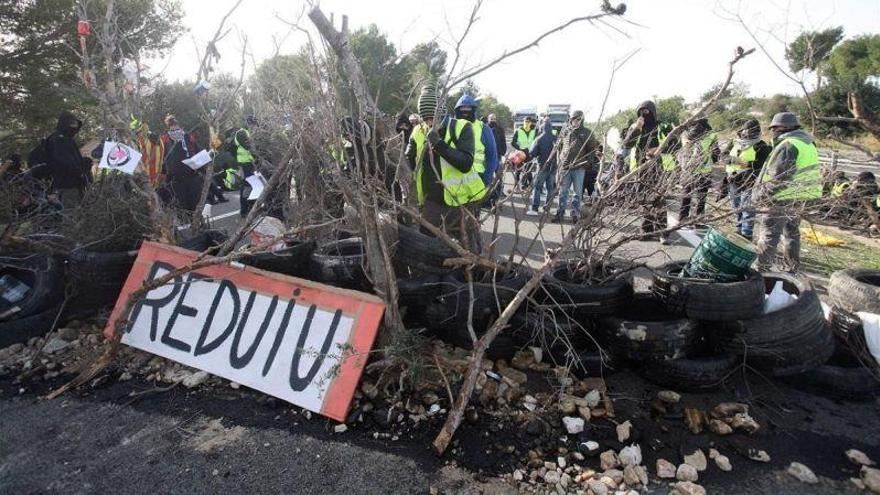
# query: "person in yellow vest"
{"type": "Point", "coordinates": [700, 154]}
{"type": "Point", "coordinates": [522, 141]}
{"type": "Point", "coordinates": [644, 139]}
{"type": "Point", "coordinates": [789, 180]}
{"type": "Point", "coordinates": [244, 157]}
{"type": "Point", "coordinates": [743, 162]}
{"type": "Point", "coordinates": [446, 181]}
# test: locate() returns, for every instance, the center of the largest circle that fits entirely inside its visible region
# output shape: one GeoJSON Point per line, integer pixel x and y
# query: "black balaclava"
{"type": "Point", "coordinates": [651, 118]}
{"type": "Point", "coordinates": [468, 115]}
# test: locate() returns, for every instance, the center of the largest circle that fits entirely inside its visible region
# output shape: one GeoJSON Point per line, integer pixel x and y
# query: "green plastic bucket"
{"type": "Point", "coordinates": [721, 256]}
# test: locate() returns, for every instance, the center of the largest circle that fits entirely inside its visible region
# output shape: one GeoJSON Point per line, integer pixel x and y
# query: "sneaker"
{"type": "Point", "coordinates": [532, 213]}
{"type": "Point", "coordinates": [575, 218]}
{"type": "Point", "coordinates": [557, 218]}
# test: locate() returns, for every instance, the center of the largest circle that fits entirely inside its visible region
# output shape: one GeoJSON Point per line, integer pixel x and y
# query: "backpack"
{"type": "Point", "coordinates": [40, 154]}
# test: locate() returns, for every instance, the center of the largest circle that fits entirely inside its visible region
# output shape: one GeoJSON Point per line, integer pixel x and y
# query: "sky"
{"type": "Point", "coordinates": [682, 47]}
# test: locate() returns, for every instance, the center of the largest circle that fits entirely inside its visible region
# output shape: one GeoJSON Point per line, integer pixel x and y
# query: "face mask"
{"type": "Point", "coordinates": [466, 114]}
{"type": "Point", "coordinates": [527, 126]}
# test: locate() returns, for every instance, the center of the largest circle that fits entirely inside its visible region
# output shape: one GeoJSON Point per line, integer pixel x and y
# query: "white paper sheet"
{"type": "Point", "coordinates": [257, 183]}
{"type": "Point", "coordinates": [198, 160]}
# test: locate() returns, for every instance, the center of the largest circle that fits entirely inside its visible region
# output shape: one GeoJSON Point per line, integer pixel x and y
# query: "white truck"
{"type": "Point", "coordinates": [520, 116]}
{"type": "Point", "coordinates": [558, 115]}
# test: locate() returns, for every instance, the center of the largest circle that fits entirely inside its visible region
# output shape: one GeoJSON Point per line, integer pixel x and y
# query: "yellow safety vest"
{"type": "Point", "coordinates": [419, 137]}
{"type": "Point", "coordinates": [806, 183]}
{"type": "Point", "coordinates": [525, 139]}
{"type": "Point", "coordinates": [745, 155]}
{"type": "Point", "coordinates": [479, 148]}
{"type": "Point", "coordinates": [667, 160]}
{"type": "Point", "coordinates": [705, 145]}
{"type": "Point", "coordinates": [839, 188]}
{"type": "Point", "coordinates": [242, 155]}
{"type": "Point", "coordinates": [459, 188]}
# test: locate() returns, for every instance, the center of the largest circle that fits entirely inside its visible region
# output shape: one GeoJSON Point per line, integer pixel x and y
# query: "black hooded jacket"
{"type": "Point", "coordinates": [66, 167]}
{"type": "Point", "coordinates": [649, 135]}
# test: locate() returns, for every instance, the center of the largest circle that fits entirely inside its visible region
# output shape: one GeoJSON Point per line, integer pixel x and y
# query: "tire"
{"type": "Point", "coordinates": [418, 291]}
{"type": "Point", "coordinates": [45, 277]}
{"type": "Point", "coordinates": [691, 374]}
{"type": "Point", "coordinates": [839, 382]}
{"type": "Point", "coordinates": [98, 278]}
{"type": "Point", "coordinates": [708, 300]}
{"type": "Point", "coordinates": [22, 329]}
{"type": "Point", "coordinates": [650, 333]}
{"type": "Point", "coordinates": [789, 341]}
{"type": "Point", "coordinates": [292, 260]}
{"type": "Point", "coordinates": [421, 252]}
{"type": "Point", "coordinates": [856, 289]}
{"type": "Point", "coordinates": [204, 240]}
{"type": "Point", "coordinates": [341, 264]}
{"type": "Point", "coordinates": [571, 295]}
{"type": "Point", "coordinates": [492, 291]}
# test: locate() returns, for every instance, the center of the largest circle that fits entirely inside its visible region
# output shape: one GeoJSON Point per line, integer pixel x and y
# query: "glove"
{"type": "Point", "coordinates": [433, 137]}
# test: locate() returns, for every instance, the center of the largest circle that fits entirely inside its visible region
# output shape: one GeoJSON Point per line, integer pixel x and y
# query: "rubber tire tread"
{"type": "Point", "coordinates": [291, 260]}
{"type": "Point", "coordinates": [48, 285]}
{"type": "Point", "coordinates": [664, 340]}
{"type": "Point", "coordinates": [691, 374]}
{"type": "Point", "coordinates": [22, 329]}
{"type": "Point", "coordinates": [585, 300]}
{"type": "Point", "coordinates": [707, 300]}
{"type": "Point", "coordinates": [853, 295]}
{"type": "Point", "coordinates": [346, 271]}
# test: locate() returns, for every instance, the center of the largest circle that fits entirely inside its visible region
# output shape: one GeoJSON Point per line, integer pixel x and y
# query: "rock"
{"type": "Point", "coordinates": [54, 345]}
{"type": "Point", "coordinates": [369, 390]}
{"type": "Point", "coordinates": [631, 476]}
{"type": "Point", "coordinates": [573, 425]}
{"type": "Point", "coordinates": [568, 407]}
{"type": "Point", "coordinates": [742, 421]}
{"type": "Point", "coordinates": [723, 462]}
{"type": "Point", "coordinates": [668, 396]}
{"type": "Point", "coordinates": [584, 412]}
{"type": "Point", "coordinates": [630, 456]}
{"type": "Point", "coordinates": [665, 469]}
{"type": "Point", "coordinates": [858, 483]}
{"type": "Point", "coordinates": [593, 398]}
{"type": "Point", "coordinates": [695, 419]}
{"type": "Point", "coordinates": [609, 482]}
{"type": "Point", "coordinates": [858, 457]}
{"type": "Point", "coordinates": [871, 478]}
{"type": "Point", "coordinates": [726, 410]}
{"type": "Point", "coordinates": [341, 428]}
{"type": "Point", "coordinates": [429, 398]}
{"type": "Point", "coordinates": [514, 375]}
{"type": "Point", "coordinates": [489, 392]}
{"type": "Point", "coordinates": [550, 466]}
{"type": "Point", "coordinates": [614, 474]}
{"type": "Point", "coordinates": [561, 462]}
{"type": "Point", "coordinates": [551, 477]}
{"type": "Point", "coordinates": [530, 402]}
{"type": "Point", "coordinates": [597, 487]}
{"type": "Point", "coordinates": [195, 379]}
{"type": "Point", "coordinates": [802, 473]}
{"type": "Point", "coordinates": [623, 431]}
{"type": "Point", "coordinates": [518, 475]}
{"type": "Point", "coordinates": [696, 459]}
{"type": "Point", "coordinates": [588, 448]}
{"type": "Point", "coordinates": [522, 360]}
{"type": "Point", "coordinates": [686, 472]}
{"type": "Point", "coordinates": [536, 427]}
{"type": "Point", "coordinates": [68, 334]}
{"type": "Point", "coordinates": [688, 488]}
{"type": "Point", "coordinates": [608, 460]}
{"type": "Point", "coordinates": [720, 427]}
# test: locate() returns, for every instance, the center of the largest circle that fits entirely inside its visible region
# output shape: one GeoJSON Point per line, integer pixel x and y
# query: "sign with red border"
{"type": "Point", "coordinates": [294, 339]}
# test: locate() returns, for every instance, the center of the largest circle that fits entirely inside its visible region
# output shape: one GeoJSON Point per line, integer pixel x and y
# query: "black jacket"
{"type": "Point", "coordinates": [66, 167]}
{"type": "Point", "coordinates": [500, 140]}
{"type": "Point", "coordinates": [577, 149]}
{"type": "Point", "coordinates": [648, 136]}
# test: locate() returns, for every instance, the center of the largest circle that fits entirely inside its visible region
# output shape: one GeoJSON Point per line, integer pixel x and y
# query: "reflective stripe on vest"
{"type": "Point", "coordinates": [242, 155]}
{"type": "Point", "coordinates": [229, 178]}
{"type": "Point", "coordinates": [746, 156]}
{"type": "Point", "coordinates": [479, 147]}
{"type": "Point", "coordinates": [806, 183]}
{"type": "Point", "coordinates": [667, 160]}
{"type": "Point", "coordinates": [838, 189]}
{"type": "Point", "coordinates": [459, 188]}
{"type": "Point", "coordinates": [525, 139]}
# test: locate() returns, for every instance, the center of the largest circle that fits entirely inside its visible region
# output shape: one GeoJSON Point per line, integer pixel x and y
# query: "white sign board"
{"type": "Point", "coordinates": [117, 156]}
{"type": "Point", "coordinates": [294, 339]}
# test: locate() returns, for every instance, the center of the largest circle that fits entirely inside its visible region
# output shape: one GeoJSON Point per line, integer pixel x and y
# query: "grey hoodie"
{"type": "Point", "coordinates": [784, 156]}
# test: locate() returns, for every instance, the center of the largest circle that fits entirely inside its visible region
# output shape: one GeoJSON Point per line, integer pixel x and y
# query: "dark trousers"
{"type": "Point", "coordinates": [590, 182]}
{"type": "Point", "coordinates": [697, 186]}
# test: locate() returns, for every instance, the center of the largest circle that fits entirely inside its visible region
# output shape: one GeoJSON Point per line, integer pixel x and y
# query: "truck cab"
{"type": "Point", "coordinates": [558, 115]}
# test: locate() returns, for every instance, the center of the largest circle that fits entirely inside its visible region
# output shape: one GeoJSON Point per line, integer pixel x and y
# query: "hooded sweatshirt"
{"type": "Point", "coordinates": [577, 148]}
{"type": "Point", "coordinates": [783, 167]}
{"type": "Point", "coordinates": [66, 166]}
{"type": "Point", "coordinates": [648, 136]}
{"type": "Point", "coordinates": [543, 145]}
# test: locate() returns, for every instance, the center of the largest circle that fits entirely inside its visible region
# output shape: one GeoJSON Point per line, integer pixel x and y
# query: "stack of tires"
{"type": "Point", "coordinates": [340, 263]}
{"type": "Point", "coordinates": [97, 277]}
{"type": "Point", "coordinates": [32, 296]}
{"type": "Point", "coordinates": [851, 372]}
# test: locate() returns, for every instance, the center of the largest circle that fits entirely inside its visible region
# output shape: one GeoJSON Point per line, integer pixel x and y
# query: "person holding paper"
{"type": "Point", "coordinates": [183, 185]}
{"type": "Point", "coordinates": [244, 156]}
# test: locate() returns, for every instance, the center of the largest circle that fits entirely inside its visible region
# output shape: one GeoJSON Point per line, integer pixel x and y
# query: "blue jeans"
{"type": "Point", "coordinates": [545, 180]}
{"type": "Point", "coordinates": [742, 198]}
{"type": "Point", "coordinates": [572, 179]}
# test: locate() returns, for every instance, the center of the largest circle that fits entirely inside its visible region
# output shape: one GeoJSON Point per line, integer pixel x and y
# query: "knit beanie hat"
{"type": "Point", "coordinates": [428, 101]}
